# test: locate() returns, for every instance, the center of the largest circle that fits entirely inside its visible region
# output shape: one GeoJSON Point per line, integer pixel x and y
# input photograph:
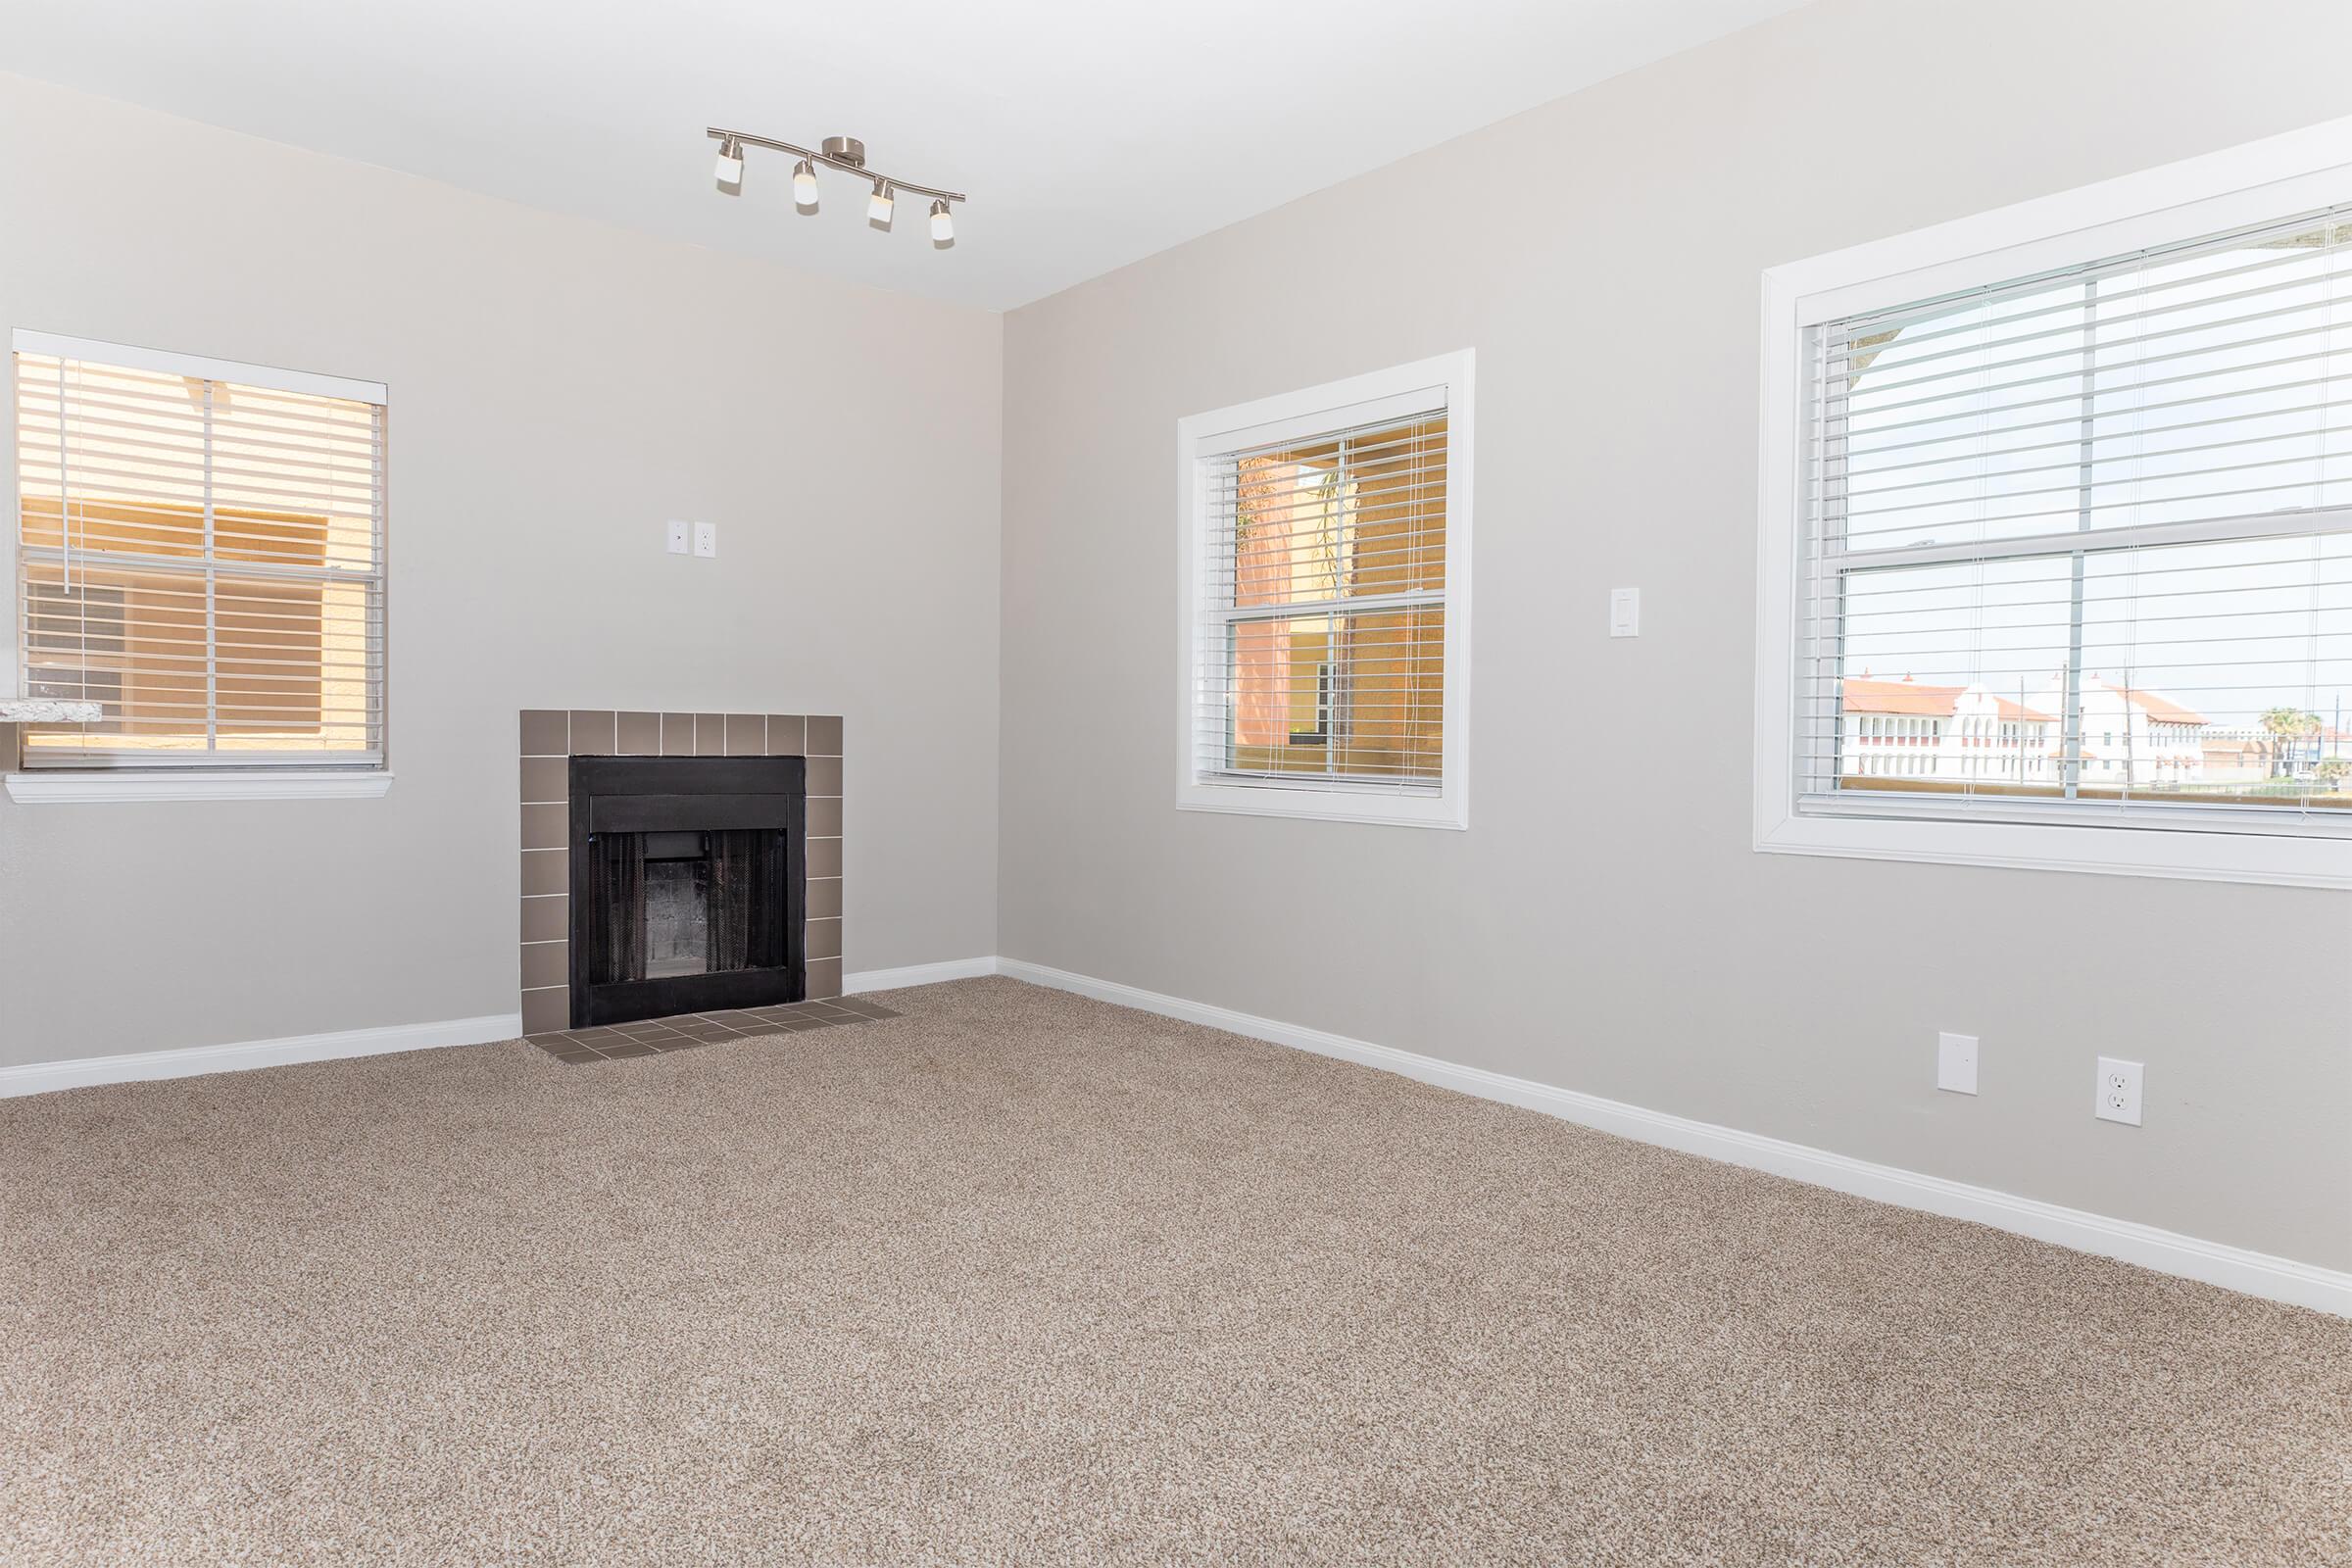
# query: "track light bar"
{"type": "Point", "coordinates": [844, 153]}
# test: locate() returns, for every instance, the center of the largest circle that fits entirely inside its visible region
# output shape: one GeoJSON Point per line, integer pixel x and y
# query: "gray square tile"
{"type": "Point", "coordinates": [824, 939]}
{"type": "Point", "coordinates": [824, 977]}
{"type": "Point", "coordinates": [824, 736]}
{"type": "Point", "coordinates": [547, 919]}
{"type": "Point", "coordinates": [546, 963]}
{"type": "Point", "coordinates": [824, 775]}
{"type": "Point", "coordinates": [546, 827]}
{"type": "Point", "coordinates": [824, 857]}
{"type": "Point", "coordinates": [824, 816]}
{"type": "Point", "coordinates": [546, 1012]}
{"type": "Point", "coordinates": [591, 733]}
{"type": "Point", "coordinates": [546, 778]}
{"type": "Point", "coordinates": [745, 734]}
{"type": "Point", "coordinates": [639, 734]}
{"type": "Point", "coordinates": [787, 735]}
{"type": "Point", "coordinates": [544, 732]}
{"type": "Point", "coordinates": [677, 734]}
{"type": "Point", "coordinates": [824, 897]}
{"type": "Point", "coordinates": [709, 735]}
{"type": "Point", "coordinates": [546, 871]}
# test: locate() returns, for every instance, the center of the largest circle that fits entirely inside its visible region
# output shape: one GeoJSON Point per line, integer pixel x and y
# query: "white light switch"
{"type": "Point", "coordinates": [706, 538]}
{"type": "Point", "coordinates": [1957, 1064]}
{"type": "Point", "coordinates": [676, 536]}
{"type": "Point", "coordinates": [1625, 612]}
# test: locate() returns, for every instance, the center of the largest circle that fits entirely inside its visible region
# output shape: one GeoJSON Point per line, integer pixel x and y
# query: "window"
{"type": "Point", "coordinates": [1327, 600]}
{"type": "Point", "coordinates": [2095, 479]}
{"type": "Point", "coordinates": [200, 552]}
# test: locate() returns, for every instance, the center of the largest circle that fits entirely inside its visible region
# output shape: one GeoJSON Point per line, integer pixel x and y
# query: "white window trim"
{"type": "Point", "coordinates": [2254, 184]}
{"type": "Point", "coordinates": [1323, 408]}
{"type": "Point", "coordinates": [105, 783]}
{"type": "Point", "coordinates": [61, 786]}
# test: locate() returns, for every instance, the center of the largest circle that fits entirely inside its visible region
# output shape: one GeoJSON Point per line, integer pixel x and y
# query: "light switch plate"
{"type": "Point", "coordinates": [2118, 1091]}
{"type": "Point", "coordinates": [675, 536]}
{"type": "Point", "coordinates": [706, 538]}
{"type": "Point", "coordinates": [1625, 612]}
{"type": "Point", "coordinates": [1957, 1064]}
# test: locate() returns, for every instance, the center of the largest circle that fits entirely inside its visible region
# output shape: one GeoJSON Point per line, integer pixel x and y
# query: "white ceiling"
{"type": "Point", "coordinates": [1089, 133]}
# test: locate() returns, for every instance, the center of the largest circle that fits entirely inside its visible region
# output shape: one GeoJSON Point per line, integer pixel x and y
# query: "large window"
{"type": "Point", "coordinates": [200, 553]}
{"type": "Point", "coordinates": [1327, 563]}
{"type": "Point", "coordinates": [2073, 549]}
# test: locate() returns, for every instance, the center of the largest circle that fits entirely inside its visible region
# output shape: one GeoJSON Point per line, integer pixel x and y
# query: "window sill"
{"type": "Point", "coordinates": [2307, 860]}
{"type": "Point", "coordinates": [76, 787]}
{"type": "Point", "coordinates": [1377, 808]}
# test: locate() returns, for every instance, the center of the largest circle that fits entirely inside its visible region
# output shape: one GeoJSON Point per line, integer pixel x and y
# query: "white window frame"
{"type": "Point", "coordinates": [1333, 406]}
{"type": "Point", "coordinates": [2257, 182]}
{"type": "Point", "coordinates": [99, 784]}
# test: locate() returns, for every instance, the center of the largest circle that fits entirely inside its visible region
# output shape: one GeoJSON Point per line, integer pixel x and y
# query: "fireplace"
{"type": "Point", "coordinates": [688, 885]}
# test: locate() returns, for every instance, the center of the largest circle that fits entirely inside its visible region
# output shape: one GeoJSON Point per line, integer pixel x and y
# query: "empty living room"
{"type": "Point", "coordinates": [1324, 782]}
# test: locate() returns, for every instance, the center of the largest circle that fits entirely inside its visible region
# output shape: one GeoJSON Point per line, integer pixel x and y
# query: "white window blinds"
{"type": "Point", "coordinates": [2081, 544]}
{"type": "Point", "coordinates": [200, 553]}
{"type": "Point", "coordinates": [1321, 651]}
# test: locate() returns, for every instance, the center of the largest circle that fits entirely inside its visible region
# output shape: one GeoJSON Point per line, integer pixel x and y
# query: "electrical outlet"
{"type": "Point", "coordinates": [2118, 1091]}
{"type": "Point", "coordinates": [675, 535]}
{"type": "Point", "coordinates": [706, 538]}
{"type": "Point", "coordinates": [1957, 1064]}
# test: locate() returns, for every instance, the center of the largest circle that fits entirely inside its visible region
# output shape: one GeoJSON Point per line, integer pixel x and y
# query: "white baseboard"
{"type": "Point", "coordinates": [2234, 1268]}
{"type": "Point", "coordinates": [42, 1076]}
{"type": "Point", "coordinates": [916, 974]}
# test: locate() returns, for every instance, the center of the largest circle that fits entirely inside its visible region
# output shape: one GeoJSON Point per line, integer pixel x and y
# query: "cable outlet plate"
{"type": "Point", "coordinates": [1957, 1064]}
{"type": "Point", "coordinates": [2118, 1091]}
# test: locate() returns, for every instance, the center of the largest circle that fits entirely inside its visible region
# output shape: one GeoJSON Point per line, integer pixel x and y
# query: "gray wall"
{"type": "Point", "coordinates": [1605, 927]}
{"type": "Point", "coordinates": [557, 389]}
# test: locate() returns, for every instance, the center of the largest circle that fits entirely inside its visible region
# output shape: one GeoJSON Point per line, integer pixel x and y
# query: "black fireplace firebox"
{"type": "Point", "coordinates": [689, 885]}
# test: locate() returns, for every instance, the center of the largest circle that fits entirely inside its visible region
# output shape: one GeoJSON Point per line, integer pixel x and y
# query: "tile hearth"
{"type": "Point", "coordinates": [659, 1036]}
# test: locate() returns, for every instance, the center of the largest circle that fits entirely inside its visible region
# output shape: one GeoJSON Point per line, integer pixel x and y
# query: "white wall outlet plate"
{"type": "Point", "coordinates": [706, 538]}
{"type": "Point", "coordinates": [1625, 612]}
{"type": "Point", "coordinates": [1957, 1064]}
{"type": "Point", "coordinates": [674, 536]}
{"type": "Point", "coordinates": [2118, 1091]}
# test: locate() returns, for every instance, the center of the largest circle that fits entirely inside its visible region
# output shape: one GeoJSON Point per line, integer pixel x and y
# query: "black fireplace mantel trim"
{"type": "Point", "coordinates": [660, 794]}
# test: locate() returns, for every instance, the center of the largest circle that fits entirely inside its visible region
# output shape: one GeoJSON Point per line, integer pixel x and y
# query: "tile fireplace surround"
{"type": "Point", "coordinates": [552, 737]}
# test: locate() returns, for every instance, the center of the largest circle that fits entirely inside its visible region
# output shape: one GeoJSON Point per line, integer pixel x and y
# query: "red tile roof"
{"type": "Point", "coordinates": [1900, 697]}
{"type": "Point", "coordinates": [2155, 707]}
{"type": "Point", "coordinates": [1864, 696]}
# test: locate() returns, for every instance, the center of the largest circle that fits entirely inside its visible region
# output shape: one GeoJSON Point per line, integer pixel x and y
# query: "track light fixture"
{"type": "Point", "coordinates": [844, 153]}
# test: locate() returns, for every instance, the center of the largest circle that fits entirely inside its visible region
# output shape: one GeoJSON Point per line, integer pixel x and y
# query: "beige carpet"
{"type": "Point", "coordinates": [1020, 1277]}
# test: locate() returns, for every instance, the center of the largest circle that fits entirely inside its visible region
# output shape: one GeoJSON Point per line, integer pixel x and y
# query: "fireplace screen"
{"type": "Point", "coordinates": [687, 902]}
{"type": "Point", "coordinates": [688, 885]}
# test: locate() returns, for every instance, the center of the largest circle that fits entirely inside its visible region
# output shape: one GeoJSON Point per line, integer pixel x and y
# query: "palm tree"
{"type": "Point", "coordinates": [2282, 723]}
